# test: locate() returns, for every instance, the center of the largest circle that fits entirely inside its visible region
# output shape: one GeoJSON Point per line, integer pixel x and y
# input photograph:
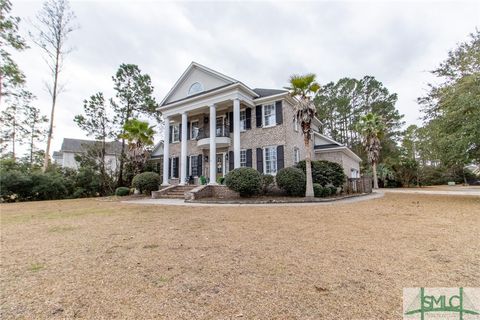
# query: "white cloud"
{"type": "Point", "coordinates": [259, 43]}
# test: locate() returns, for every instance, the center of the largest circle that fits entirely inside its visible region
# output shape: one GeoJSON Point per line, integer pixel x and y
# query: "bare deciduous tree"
{"type": "Point", "coordinates": [55, 22]}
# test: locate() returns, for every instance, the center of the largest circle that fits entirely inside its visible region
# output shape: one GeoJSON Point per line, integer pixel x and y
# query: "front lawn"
{"type": "Point", "coordinates": [100, 258]}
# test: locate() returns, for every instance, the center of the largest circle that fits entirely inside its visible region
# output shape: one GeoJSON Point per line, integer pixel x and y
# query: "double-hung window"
{"type": "Point", "coordinates": [175, 133]}
{"type": "Point", "coordinates": [243, 120]}
{"type": "Point", "coordinates": [173, 166]}
{"type": "Point", "coordinates": [270, 155]}
{"type": "Point", "coordinates": [295, 123]}
{"type": "Point", "coordinates": [296, 156]}
{"type": "Point", "coordinates": [243, 158]}
{"type": "Point", "coordinates": [194, 130]}
{"type": "Point", "coordinates": [194, 166]}
{"type": "Point", "coordinates": [269, 118]}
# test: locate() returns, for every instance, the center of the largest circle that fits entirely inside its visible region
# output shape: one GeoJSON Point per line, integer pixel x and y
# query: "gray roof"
{"type": "Point", "coordinates": [268, 92]}
{"type": "Point", "coordinates": [79, 145]}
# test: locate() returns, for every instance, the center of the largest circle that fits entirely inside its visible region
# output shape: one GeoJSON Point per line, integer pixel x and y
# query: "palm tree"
{"type": "Point", "coordinates": [371, 128]}
{"type": "Point", "coordinates": [303, 88]}
{"type": "Point", "coordinates": [139, 135]}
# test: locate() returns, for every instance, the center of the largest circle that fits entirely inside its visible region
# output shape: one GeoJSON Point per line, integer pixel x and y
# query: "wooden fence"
{"type": "Point", "coordinates": [358, 185]}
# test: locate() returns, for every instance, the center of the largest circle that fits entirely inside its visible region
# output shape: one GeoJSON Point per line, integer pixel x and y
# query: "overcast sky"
{"type": "Point", "coordinates": [258, 43]}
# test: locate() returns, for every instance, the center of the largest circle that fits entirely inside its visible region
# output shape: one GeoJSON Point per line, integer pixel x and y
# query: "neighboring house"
{"type": "Point", "coordinates": [65, 157]}
{"type": "Point", "coordinates": [251, 128]}
{"type": "Point", "coordinates": [156, 158]}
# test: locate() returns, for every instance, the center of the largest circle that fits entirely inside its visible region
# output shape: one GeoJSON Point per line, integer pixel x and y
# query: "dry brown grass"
{"type": "Point", "coordinates": [106, 259]}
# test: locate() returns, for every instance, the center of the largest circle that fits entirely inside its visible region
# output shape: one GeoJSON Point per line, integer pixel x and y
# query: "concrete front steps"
{"type": "Point", "coordinates": [172, 192]}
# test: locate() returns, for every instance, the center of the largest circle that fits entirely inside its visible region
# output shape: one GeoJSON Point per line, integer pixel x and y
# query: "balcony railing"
{"type": "Point", "coordinates": [223, 131]}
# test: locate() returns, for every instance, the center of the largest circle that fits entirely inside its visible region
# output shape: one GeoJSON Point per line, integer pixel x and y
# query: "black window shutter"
{"type": "Point", "coordinates": [278, 112]}
{"type": "Point", "coordinates": [260, 160]}
{"type": "Point", "coordinates": [180, 132]}
{"type": "Point", "coordinates": [230, 118]}
{"type": "Point", "coordinates": [199, 165]}
{"type": "Point", "coordinates": [170, 130]}
{"type": "Point", "coordinates": [231, 160]}
{"type": "Point", "coordinates": [188, 167]}
{"type": "Point", "coordinates": [258, 114]}
{"type": "Point", "coordinates": [188, 130]}
{"type": "Point", "coordinates": [248, 118]}
{"type": "Point", "coordinates": [170, 168]}
{"type": "Point", "coordinates": [280, 158]}
{"type": "Point", "coordinates": [249, 158]}
{"type": "Point", "coordinates": [175, 174]}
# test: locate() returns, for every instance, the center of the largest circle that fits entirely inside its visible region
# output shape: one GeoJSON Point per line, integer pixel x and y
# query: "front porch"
{"type": "Point", "coordinates": [191, 155]}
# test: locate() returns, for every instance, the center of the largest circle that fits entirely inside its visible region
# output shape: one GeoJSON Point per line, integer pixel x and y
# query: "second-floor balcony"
{"type": "Point", "coordinates": [222, 137]}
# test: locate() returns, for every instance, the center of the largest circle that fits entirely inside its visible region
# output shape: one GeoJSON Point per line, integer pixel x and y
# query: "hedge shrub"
{"type": "Point", "coordinates": [122, 191]}
{"type": "Point", "coordinates": [325, 172]}
{"type": "Point", "coordinates": [322, 192]}
{"type": "Point", "coordinates": [292, 181]}
{"type": "Point", "coordinates": [146, 182]}
{"type": "Point", "coordinates": [246, 181]}
{"type": "Point", "coordinates": [268, 182]}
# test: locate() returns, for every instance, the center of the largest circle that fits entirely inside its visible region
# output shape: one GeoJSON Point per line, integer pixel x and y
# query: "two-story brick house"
{"type": "Point", "coordinates": [215, 123]}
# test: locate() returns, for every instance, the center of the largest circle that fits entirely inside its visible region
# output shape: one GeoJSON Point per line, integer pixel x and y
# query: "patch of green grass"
{"type": "Point", "coordinates": [150, 246]}
{"type": "Point", "coordinates": [34, 267]}
{"type": "Point", "coordinates": [61, 229]}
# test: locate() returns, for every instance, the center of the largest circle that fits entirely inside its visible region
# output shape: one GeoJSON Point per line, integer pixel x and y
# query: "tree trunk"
{"type": "Point", "coordinates": [308, 164]}
{"type": "Point", "coordinates": [120, 170]}
{"type": "Point", "coordinates": [375, 178]}
{"type": "Point", "coordinates": [52, 114]}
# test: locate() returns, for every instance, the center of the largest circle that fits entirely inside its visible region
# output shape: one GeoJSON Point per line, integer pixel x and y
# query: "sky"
{"type": "Point", "coordinates": [258, 43]}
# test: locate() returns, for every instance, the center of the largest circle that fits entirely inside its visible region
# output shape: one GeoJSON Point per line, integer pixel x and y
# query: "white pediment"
{"type": "Point", "coordinates": [194, 80]}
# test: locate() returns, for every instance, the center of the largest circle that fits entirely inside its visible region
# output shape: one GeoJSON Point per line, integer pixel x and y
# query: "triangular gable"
{"type": "Point", "coordinates": [321, 139]}
{"type": "Point", "coordinates": [207, 79]}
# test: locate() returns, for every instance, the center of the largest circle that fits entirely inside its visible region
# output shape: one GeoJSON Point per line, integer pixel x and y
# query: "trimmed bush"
{"type": "Point", "coordinates": [221, 180]}
{"type": "Point", "coordinates": [203, 180]}
{"type": "Point", "coordinates": [267, 183]}
{"type": "Point", "coordinates": [122, 191]}
{"type": "Point", "coordinates": [146, 182]}
{"type": "Point", "coordinates": [325, 172]}
{"type": "Point", "coordinates": [333, 190]}
{"type": "Point", "coordinates": [246, 181]}
{"type": "Point", "coordinates": [292, 181]}
{"type": "Point", "coordinates": [317, 190]}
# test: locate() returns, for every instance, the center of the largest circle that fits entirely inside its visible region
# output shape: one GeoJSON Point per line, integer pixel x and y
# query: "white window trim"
{"type": "Point", "coordinates": [274, 115]}
{"type": "Point", "coordinates": [190, 171]}
{"type": "Point", "coordinates": [265, 160]}
{"type": "Point", "coordinates": [191, 128]}
{"type": "Point", "coordinates": [243, 150]}
{"type": "Point", "coordinates": [295, 123]}
{"type": "Point", "coordinates": [243, 129]}
{"type": "Point", "coordinates": [295, 152]}
{"type": "Point", "coordinates": [195, 92]}
{"type": "Point", "coordinates": [171, 167]}
{"type": "Point", "coordinates": [173, 134]}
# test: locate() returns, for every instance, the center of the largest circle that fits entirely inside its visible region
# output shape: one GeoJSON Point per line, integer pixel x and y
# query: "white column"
{"type": "Point", "coordinates": [166, 147]}
{"type": "Point", "coordinates": [236, 133]}
{"type": "Point", "coordinates": [213, 145]}
{"type": "Point", "coordinates": [183, 150]}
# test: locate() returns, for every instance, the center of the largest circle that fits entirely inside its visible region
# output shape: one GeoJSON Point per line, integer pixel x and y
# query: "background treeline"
{"type": "Point", "coordinates": [445, 148]}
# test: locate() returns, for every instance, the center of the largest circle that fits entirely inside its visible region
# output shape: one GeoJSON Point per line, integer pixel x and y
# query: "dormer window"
{"type": "Point", "coordinates": [195, 88]}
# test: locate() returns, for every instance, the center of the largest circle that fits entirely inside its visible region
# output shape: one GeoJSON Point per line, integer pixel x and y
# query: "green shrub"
{"type": "Point", "coordinates": [325, 172]}
{"type": "Point", "coordinates": [333, 190]}
{"type": "Point", "coordinates": [49, 186]}
{"type": "Point", "coordinates": [122, 191]}
{"type": "Point", "coordinates": [203, 180]}
{"type": "Point", "coordinates": [14, 186]}
{"type": "Point", "coordinates": [317, 190]}
{"type": "Point", "coordinates": [292, 181]}
{"type": "Point", "coordinates": [267, 183]}
{"type": "Point", "coordinates": [220, 180]}
{"type": "Point", "coordinates": [146, 182]}
{"type": "Point", "coordinates": [246, 181]}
